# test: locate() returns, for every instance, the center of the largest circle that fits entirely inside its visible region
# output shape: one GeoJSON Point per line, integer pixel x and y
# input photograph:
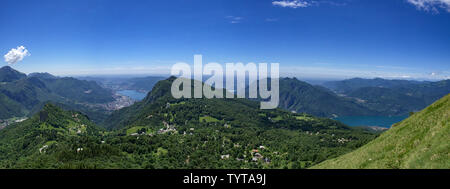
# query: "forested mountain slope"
{"type": "Point", "coordinates": [21, 95]}
{"type": "Point", "coordinates": [299, 96]}
{"type": "Point", "coordinates": [391, 97]}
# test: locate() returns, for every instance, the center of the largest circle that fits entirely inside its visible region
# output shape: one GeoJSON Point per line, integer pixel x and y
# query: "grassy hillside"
{"type": "Point", "coordinates": [419, 142]}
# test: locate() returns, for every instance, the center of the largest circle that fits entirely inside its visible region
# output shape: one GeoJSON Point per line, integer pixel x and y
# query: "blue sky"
{"type": "Point", "coordinates": [407, 39]}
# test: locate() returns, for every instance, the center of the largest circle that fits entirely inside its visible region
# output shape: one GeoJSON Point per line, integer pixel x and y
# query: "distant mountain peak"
{"type": "Point", "coordinates": [6, 68]}
{"type": "Point", "coordinates": [9, 69]}
{"type": "Point", "coordinates": [43, 75]}
{"type": "Point", "coordinates": [8, 74]}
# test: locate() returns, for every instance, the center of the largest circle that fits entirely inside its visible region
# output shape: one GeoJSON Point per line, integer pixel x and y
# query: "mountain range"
{"type": "Point", "coordinates": [22, 95]}
{"type": "Point", "coordinates": [163, 132]}
{"type": "Point", "coordinates": [391, 97]}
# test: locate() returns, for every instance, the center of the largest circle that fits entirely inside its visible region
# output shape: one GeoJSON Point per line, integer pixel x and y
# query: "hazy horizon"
{"type": "Point", "coordinates": [311, 80]}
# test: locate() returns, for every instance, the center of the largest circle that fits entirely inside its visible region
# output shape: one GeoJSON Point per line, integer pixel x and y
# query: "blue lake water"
{"type": "Point", "coordinates": [135, 95]}
{"type": "Point", "coordinates": [381, 121]}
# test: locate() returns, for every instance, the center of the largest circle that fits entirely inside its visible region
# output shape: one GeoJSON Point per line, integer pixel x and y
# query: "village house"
{"type": "Point", "coordinates": [169, 128]}
{"type": "Point", "coordinates": [257, 156]}
{"type": "Point", "coordinates": [227, 156]}
{"type": "Point", "coordinates": [43, 149]}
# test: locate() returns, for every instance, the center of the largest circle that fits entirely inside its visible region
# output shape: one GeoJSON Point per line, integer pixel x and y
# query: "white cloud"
{"type": "Point", "coordinates": [234, 19]}
{"type": "Point", "coordinates": [292, 3]}
{"type": "Point", "coordinates": [271, 19]}
{"type": "Point", "coordinates": [16, 55]}
{"type": "Point", "coordinates": [431, 5]}
{"type": "Point", "coordinates": [334, 71]}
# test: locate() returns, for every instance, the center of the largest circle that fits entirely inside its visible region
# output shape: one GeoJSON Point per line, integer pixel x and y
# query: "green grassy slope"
{"type": "Point", "coordinates": [419, 142]}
